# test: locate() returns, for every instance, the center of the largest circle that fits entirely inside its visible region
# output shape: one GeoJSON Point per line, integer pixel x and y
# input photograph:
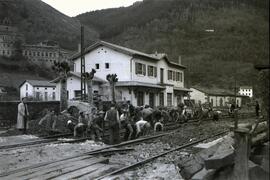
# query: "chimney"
{"type": "Point", "coordinates": [180, 60]}
{"type": "Point", "coordinates": [79, 47]}
{"type": "Point", "coordinates": [156, 53]}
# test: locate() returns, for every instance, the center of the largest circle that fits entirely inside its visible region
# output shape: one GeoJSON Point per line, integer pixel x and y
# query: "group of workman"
{"type": "Point", "coordinates": [135, 125]}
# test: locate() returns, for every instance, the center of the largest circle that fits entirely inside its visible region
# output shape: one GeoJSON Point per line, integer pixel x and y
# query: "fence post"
{"type": "Point", "coordinates": [242, 144]}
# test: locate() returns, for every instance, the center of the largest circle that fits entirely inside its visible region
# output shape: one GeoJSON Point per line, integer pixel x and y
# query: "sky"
{"type": "Point", "coordinates": [75, 7]}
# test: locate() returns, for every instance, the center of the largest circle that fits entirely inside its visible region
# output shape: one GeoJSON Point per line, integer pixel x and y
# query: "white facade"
{"type": "Point", "coordinates": [246, 91]}
{"type": "Point", "coordinates": [139, 75]}
{"type": "Point", "coordinates": [38, 92]}
{"type": "Point", "coordinates": [215, 99]}
{"type": "Point", "coordinates": [74, 85]}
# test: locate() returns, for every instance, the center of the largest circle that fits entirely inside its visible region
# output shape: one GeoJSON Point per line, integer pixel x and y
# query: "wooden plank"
{"type": "Point", "coordinates": [49, 171]}
{"type": "Point", "coordinates": [81, 172]}
{"type": "Point", "coordinates": [70, 172]}
{"type": "Point", "coordinates": [39, 168]}
{"type": "Point", "coordinates": [96, 174]}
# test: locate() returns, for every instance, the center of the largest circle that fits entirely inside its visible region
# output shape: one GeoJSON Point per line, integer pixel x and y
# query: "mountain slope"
{"type": "Point", "coordinates": [39, 21]}
{"type": "Point", "coordinates": [218, 40]}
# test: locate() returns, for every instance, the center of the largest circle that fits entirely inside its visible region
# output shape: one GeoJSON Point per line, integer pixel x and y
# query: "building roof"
{"type": "Point", "coordinates": [137, 84]}
{"type": "Point", "coordinates": [39, 83]}
{"type": "Point", "coordinates": [182, 89]}
{"type": "Point", "coordinates": [217, 91]}
{"type": "Point", "coordinates": [78, 75]}
{"type": "Point", "coordinates": [245, 87]}
{"type": "Point", "coordinates": [128, 51]}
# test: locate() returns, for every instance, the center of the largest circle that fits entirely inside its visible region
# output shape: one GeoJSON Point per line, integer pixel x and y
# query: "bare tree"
{"type": "Point", "coordinates": [89, 77]}
{"type": "Point", "coordinates": [112, 78]}
{"type": "Point", "coordinates": [62, 69]}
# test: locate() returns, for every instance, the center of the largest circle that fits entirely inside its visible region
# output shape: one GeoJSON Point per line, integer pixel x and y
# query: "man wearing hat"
{"type": "Point", "coordinates": [22, 116]}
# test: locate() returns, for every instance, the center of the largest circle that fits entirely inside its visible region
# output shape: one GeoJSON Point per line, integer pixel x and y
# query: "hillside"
{"type": "Point", "coordinates": [39, 21]}
{"type": "Point", "coordinates": [218, 40]}
{"type": "Point", "coordinates": [14, 72]}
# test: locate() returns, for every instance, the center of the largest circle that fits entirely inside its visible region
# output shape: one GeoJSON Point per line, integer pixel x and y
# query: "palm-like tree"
{"type": "Point", "coordinates": [62, 69]}
{"type": "Point", "coordinates": [89, 77]}
{"type": "Point", "coordinates": [112, 78]}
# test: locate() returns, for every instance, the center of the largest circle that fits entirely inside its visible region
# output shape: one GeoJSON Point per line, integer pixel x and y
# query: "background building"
{"type": "Point", "coordinates": [38, 90]}
{"type": "Point", "coordinates": [43, 53]}
{"type": "Point", "coordinates": [216, 97]}
{"type": "Point", "coordinates": [9, 35]}
{"type": "Point", "coordinates": [246, 91]}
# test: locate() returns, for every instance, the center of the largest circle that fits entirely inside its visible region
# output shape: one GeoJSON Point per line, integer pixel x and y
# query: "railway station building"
{"type": "Point", "coordinates": [142, 78]}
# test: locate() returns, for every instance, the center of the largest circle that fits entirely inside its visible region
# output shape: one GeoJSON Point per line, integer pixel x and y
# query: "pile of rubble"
{"type": "Point", "coordinates": [235, 156]}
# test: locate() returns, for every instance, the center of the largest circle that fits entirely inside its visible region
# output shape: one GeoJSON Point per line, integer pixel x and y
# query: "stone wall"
{"type": "Point", "coordinates": [9, 110]}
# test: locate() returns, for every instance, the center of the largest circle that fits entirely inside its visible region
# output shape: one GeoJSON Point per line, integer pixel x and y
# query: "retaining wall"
{"type": "Point", "coordinates": [9, 110]}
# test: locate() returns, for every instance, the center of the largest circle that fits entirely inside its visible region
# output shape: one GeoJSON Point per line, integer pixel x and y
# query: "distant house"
{"type": "Point", "coordinates": [216, 97]}
{"type": "Point", "coordinates": [39, 90]}
{"type": "Point", "coordinates": [74, 86]}
{"type": "Point", "coordinates": [246, 91]}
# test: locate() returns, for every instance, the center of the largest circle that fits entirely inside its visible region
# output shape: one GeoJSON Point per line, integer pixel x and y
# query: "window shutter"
{"type": "Point", "coordinates": [155, 71]}
{"type": "Point", "coordinates": [148, 70]}
{"type": "Point", "coordinates": [136, 68]}
{"type": "Point", "coordinates": [144, 69]}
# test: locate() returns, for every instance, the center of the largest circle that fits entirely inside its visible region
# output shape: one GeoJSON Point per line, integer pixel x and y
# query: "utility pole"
{"type": "Point", "coordinates": [83, 89]}
{"type": "Point", "coordinates": [235, 110]}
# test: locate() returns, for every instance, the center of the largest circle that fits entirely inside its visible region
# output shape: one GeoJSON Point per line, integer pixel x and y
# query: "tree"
{"type": "Point", "coordinates": [89, 77]}
{"type": "Point", "coordinates": [112, 78]}
{"type": "Point", "coordinates": [62, 69]}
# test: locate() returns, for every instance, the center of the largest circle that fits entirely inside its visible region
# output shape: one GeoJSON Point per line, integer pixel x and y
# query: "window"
{"type": "Point", "coordinates": [152, 71]}
{"type": "Point", "coordinates": [46, 96]}
{"type": "Point", "coordinates": [97, 66]}
{"type": "Point", "coordinates": [77, 93]}
{"type": "Point", "coordinates": [140, 69]}
{"type": "Point", "coordinates": [170, 75]}
{"type": "Point", "coordinates": [26, 94]}
{"type": "Point", "coordinates": [53, 95]}
{"type": "Point", "coordinates": [107, 65]}
{"type": "Point", "coordinates": [26, 86]}
{"type": "Point", "coordinates": [169, 99]}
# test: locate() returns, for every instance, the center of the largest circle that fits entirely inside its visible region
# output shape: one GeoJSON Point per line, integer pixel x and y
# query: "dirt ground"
{"type": "Point", "coordinates": [162, 168]}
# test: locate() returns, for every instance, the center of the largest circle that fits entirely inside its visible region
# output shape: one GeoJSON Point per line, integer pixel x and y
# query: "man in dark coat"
{"type": "Point", "coordinates": [112, 117]}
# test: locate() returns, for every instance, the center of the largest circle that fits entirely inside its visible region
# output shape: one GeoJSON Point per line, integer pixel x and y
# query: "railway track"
{"type": "Point", "coordinates": [90, 165]}
{"type": "Point", "coordinates": [34, 169]}
{"type": "Point", "coordinates": [54, 138]}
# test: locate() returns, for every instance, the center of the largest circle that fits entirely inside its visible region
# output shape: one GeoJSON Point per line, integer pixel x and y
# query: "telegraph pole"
{"type": "Point", "coordinates": [83, 93]}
